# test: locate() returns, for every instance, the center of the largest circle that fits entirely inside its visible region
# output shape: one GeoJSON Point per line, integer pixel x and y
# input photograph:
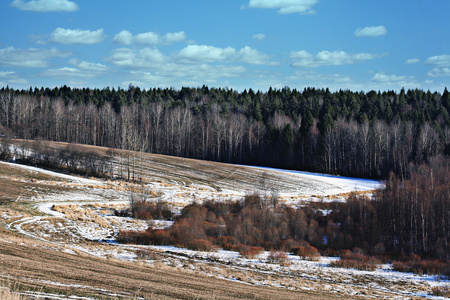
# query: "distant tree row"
{"type": "Point", "coordinates": [348, 133]}
{"type": "Point", "coordinates": [70, 159]}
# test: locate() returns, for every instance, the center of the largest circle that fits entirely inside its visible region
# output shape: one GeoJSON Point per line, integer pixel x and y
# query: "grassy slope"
{"type": "Point", "coordinates": [37, 266]}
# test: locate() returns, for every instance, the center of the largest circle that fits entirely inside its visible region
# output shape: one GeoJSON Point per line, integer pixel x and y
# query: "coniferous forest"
{"type": "Point", "coordinates": [402, 138]}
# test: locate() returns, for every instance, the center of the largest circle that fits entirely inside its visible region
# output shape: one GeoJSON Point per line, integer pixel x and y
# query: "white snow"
{"type": "Point", "coordinates": [327, 184]}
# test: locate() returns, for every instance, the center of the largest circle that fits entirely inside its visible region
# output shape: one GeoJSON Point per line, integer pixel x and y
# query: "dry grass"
{"type": "Point", "coordinates": [171, 171]}
{"type": "Point", "coordinates": [17, 183]}
{"type": "Point", "coordinates": [7, 294]}
{"type": "Point", "coordinates": [35, 267]}
{"type": "Point", "coordinates": [441, 291]}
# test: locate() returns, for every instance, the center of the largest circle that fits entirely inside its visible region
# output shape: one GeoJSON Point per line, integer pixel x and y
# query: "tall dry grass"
{"type": "Point", "coordinates": [7, 294]}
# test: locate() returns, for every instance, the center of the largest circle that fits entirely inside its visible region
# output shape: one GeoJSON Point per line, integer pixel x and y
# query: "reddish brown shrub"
{"type": "Point", "coordinates": [248, 251]}
{"type": "Point", "coordinates": [200, 245]}
{"type": "Point", "coordinates": [160, 237]}
{"type": "Point", "coordinates": [414, 265]}
{"type": "Point", "coordinates": [278, 257]}
{"type": "Point", "coordinates": [145, 210]}
{"type": "Point", "coordinates": [132, 237]}
{"type": "Point", "coordinates": [307, 251]}
{"type": "Point", "coordinates": [288, 245]}
{"type": "Point", "coordinates": [227, 242]}
{"type": "Point", "coordinates": [356, 260]}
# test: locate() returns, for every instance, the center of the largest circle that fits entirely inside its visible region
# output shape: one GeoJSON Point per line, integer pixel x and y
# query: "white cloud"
{"type": "Point", "coordinates": [184, 75]}
{"type": "Point", "coordinates": [313, 76]}
{"type": "Point", "coordinates": [148, 38]}
{"type": "Point", "coordinates": [371, 31]}
{"type": "Point", "coordinates": [194, 66]}
{"type": "Point", "coordinates": [253, 57]}
{"type": "Point", "coordinates": [11, 78]}
{"type": "Point", "coordinates": [383, 81]}
{"type": "Point", "coordinates": [88, 66]}
{"type": "Point", "coordinates": [303, 59]}
{"type": "Point", "coordinates": [439, 72]}
{"type": "Point", "coordinates": [79, 74]}
{"type": "Point", "coordinates": [259, 36]}
{"type": "Point", "coordinates": [205, 54]}
{"type": "Point", "coordinates": [174, 37]}
{"type": "Point", "coordinates": [7, 74]}
{"type": "Point", "coordinates": [123, 38]}
{"type": "Point", "coordinates": [29, 58]}
{"type": "Point", "coordinates": [45, 5]}
{"type": "Point", "coordinates": [286, 6]}
{"type": "Point", "coordinates": [439, 60]}
{"type": "Point", "coordinates": [65, 72]}
{"type": "Point", "coordinates": [381, 77]}
{"type": "Point", "coordinates": [77, 36]}
{"type": "Point", "coordinates": [442, 63]}
{"type": "Point", "coordinates": [210, 54]}
{"type": "Point", "coordinates": [412, 61]}
{"type": "Point", "coordinates": [142, 59]}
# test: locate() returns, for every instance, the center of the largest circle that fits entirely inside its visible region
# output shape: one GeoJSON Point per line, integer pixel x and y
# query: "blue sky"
{"type": "Point", "coordinates": [241, 44]}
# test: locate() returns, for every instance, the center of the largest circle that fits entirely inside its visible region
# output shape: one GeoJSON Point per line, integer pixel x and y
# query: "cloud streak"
{"type": "Point", "coordinates": [45, 5]}
{"type": "Point", "coordinates": [76, 36]}
{"type": "Point", "coordinates": [29, 58]}
{"type": "Point", "coordinates": [371, 31]}
{"type": "Point", "coordinates": [148, 38]}
{"type": "Point", "coordinates": [412, 61]}
{"type": "Point", "coordinates": [259, 36]}
{"type": "Point", "coordinates": [286, 6]}
{"type": "Point", "coordinates": [304, 59]}
{"type": "Point", "coordinates": [439, 60]}
{"type": "Point", "coordinates": [190, 55]}
{"type": "Point", "coordinates": [442, 65]}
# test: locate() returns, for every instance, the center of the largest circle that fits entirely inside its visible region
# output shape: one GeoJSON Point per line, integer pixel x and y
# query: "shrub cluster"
{"type": "Point", "coordinates": [200, 245]}
{"type": "Point", "coordinates": [249, 251]}
{"type": "Point", "coordinates": [306, 252]}
{"type": "Point", "coordinates": [356, 260]}
{"type": "Point", "coordinates": [146, 210]}
{"type": "Point", "coordinates": [278, 257]}
{"type": "Point", "coordinates": [416, 265]}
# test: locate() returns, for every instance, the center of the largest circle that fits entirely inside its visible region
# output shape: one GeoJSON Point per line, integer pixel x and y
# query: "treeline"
{"type": "Point", "coordinates": [348, 133]}
{"type": "Point", "coordinates": [410, 217]}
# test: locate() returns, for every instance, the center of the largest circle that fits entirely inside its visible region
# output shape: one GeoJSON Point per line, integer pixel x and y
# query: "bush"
{"type": "Point", "coordinates": [417, 266]}
{"type": "Point", "coordinates": [227, 242]}
{"type": "Point", "coordinates": [306, 252]}
{"type": "Point", "coordinates": [200, 245]}
{"type": "Point", "coordinates": [278, 257]}
{"type": "Point", "coordinates": [160, 237]}
{"type": "Point", "coordinates": [145, 210]}
{"type": "Point", "coordinates": [356, 260]}
{"type": "Point", "coordinates": [127, 236]}
{"type": "Point", "coordinates": [248, 251]}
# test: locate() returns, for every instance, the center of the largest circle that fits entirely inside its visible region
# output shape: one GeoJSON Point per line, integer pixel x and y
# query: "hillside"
{"type": "Point", "coordinates": [57, 219]}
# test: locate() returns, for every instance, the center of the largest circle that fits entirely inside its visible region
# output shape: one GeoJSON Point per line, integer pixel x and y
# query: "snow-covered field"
{"type": "Point", "coordinates": [71, 220]}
